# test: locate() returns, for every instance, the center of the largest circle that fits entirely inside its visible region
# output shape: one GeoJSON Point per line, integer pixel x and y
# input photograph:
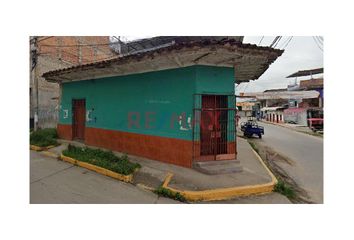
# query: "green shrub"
{"type": "Point", "coordinates": [284, 189]}
{"type": "Point", "coordinates": [161, 191]}
{"type": "Point", "coordinates": [105, 159]}
{"type": "Point", "coordinates": [44, 137]}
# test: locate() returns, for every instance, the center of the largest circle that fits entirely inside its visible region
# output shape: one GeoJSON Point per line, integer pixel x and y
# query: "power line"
{"type": "Point", "coordinates": [39, 40]}
{"type": "Point", "coordinates": [261, 40]}
{"type": "Point", "coordinates": [287, 43]}
{"type": "Point", "coordinates": [319, 40]}
{"type": "Point", "coordinates": [320, 43]}
{"type": "Point", "coordinates": [317, 43]}
{"type": "Point", "coordinates": [285, 40]}
{"type": "Point", "coordinates": [274, 41]}
{"type": "Point", "coordinates": [278, 41]}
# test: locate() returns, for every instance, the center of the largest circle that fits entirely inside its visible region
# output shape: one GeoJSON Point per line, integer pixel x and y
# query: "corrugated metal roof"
{"type": "Point", "coordinates": [251, 60]}
{"type": "Point", "coordinates": [155, 42]}
{"type": "Point", "coordinates": [306, 72]}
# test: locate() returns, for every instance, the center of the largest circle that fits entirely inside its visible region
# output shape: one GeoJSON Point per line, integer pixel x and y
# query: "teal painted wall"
{"type": "Point", "coordinates": [218, 80]}
{"type": "Point", "coordinates": [163, 95]}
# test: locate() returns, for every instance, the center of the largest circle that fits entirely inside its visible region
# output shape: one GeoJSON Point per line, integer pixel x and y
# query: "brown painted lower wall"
{"type": "Point", "coordinates": [64, 131]}
{"type": "Point", "coordinates": [230, 155]}
{"type": "Point", "coordinates": [169, 150]}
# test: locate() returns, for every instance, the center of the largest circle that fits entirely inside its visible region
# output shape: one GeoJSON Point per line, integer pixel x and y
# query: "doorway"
{"type": "Point", "coordinates": [213, 127]}
{"type": "Point", "coordinates": [79, 119]}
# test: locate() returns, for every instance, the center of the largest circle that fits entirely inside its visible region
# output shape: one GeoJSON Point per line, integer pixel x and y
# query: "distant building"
{"type": "Point", "coordinates": [312, 84]}
{"type": "Point", "coordinates": [300, 116]}
{"type": "Point", "coordinates": [272, 108]}
{"type": "Point", "coordinates": [300, 110]}
{"type": "Point", "coordinates": [55, 52]}
{"type": "Point", "coordinates": [246, 108]}
{"type": "Point", "coordinates": [273, 114]}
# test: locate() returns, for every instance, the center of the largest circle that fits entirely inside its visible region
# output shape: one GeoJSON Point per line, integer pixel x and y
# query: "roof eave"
{"type": "Point", "coordinates": [182, 55]}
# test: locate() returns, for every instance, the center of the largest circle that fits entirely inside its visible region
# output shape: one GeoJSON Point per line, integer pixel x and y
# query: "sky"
{"type": "Point", "coordinates": [301, 53]}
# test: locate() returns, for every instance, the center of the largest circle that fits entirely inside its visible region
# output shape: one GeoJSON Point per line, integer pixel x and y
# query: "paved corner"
{"type": "Point", "coordinates": [53, 181]}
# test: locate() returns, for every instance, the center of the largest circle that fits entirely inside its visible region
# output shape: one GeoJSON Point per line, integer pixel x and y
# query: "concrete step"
{"type": "Point", "coordinates": [218, 167]}
{"type": "Point", "coordinates": [217, 162]}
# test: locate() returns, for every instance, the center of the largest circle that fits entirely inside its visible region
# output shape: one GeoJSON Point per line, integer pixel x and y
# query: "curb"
{"type": "Point", "coordinates": [280, 125]}
{"type": "Point", "coordinates": [103, 171]}
{"type": "Point", "coordinates": [225, 193]}
{"type": "Point", "coordinates": [49, 154]}
{"type": "Point", "coordinates": [37, 148]}
{"type": "Point", "coordinates": [292, 128]}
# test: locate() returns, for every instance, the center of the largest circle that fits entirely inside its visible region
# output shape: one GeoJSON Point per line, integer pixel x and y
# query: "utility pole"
{"type": "Point", "coordinates": [34, 72]}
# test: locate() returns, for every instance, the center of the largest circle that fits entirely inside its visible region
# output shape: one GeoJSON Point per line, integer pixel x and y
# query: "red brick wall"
{"type": "Point", "coordinates": [66, 48]}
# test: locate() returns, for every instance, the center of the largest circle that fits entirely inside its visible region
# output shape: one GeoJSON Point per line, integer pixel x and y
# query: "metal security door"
{"type": "Point", "coordinates": [207, 127]}
{"type": "Point", "coordinates": [79, 119]}
{"type": "Point", "coordinates": [213, 127]}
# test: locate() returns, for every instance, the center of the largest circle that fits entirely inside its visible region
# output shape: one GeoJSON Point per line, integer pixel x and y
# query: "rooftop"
{"type": "Point", "coordinates": [311, 83]}
{"type": "Point", "coordinates": [309, 72]}
{"type": "Point", "coordinates": [145, 44]}
{"type": "Point", "coordinates": [251, 61]}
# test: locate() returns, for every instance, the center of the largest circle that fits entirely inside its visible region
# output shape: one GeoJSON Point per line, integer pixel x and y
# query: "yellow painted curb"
{"type": "Point", "coordinates": [37, 148]}
{"type": "Point", "coordinates": [50, 154]}
{"type": "Point", "coordinates": [225, 193]}
{"type": "Point", "coordinates": [109, 173]}
{"type": "Point", "coordinates": [68, 159]}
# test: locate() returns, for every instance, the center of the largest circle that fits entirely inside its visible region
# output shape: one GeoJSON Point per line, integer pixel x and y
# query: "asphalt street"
{"type": "Point", "coordinates": [307, 153]}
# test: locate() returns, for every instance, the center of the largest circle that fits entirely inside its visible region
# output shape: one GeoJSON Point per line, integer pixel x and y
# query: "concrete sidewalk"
{"type": "Point", "coordinates": [153, 173]}
{"type": "Point", "coordinates": [190, 179]}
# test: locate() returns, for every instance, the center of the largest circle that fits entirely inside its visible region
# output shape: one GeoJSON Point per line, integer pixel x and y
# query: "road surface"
{"type": "Point", "coordinates": [307, 153]}
{"type": "Point", "coordinates": [54, 181]}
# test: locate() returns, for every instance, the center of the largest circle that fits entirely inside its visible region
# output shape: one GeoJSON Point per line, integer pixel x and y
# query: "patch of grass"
{"type": "Point", "coordinates": [105, 159]}
{"type": "Point", "coordinates": [44, 137]}
{"type": "Point", "coordinates": [161, 191]}
{"type": "Point", "coordinates": [284, 189]}
{"type": "Point", "coordinates": [253, 145]}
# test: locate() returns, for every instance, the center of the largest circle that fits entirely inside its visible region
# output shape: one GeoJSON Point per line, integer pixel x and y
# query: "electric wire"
{"type": "Point", "coordinates": [261, 40]}
{"type": "Point", "coordinates": [287, 43]}
{"type": "Point", "coordinates": [317, 43]}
